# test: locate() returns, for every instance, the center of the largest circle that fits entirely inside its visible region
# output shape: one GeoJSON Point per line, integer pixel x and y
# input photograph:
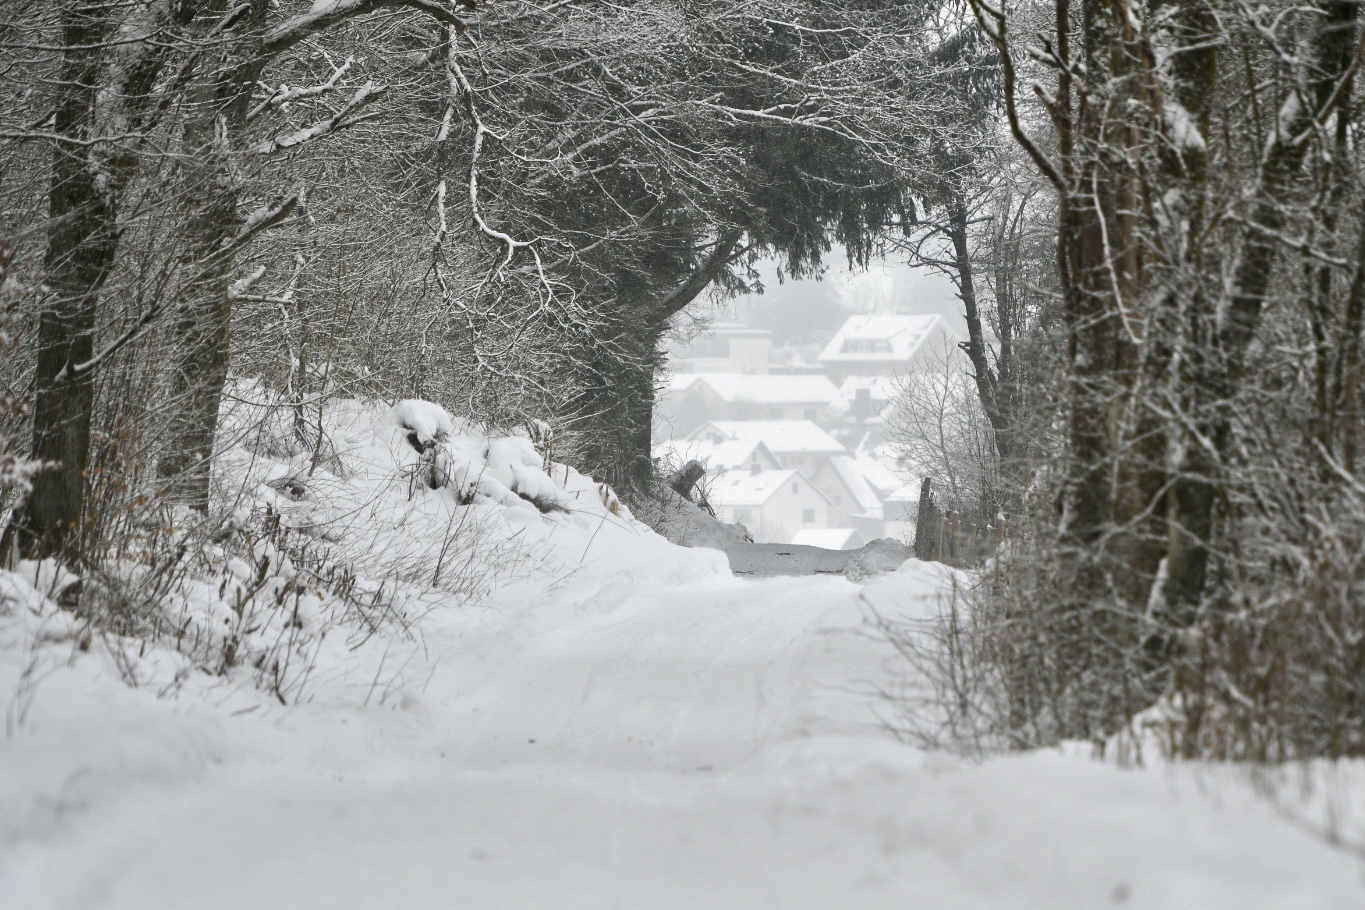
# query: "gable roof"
{"type": "Point", "coordinates": [880, 477]}
{"type": "Point", "coordinates": [880, 338]}
{"type": "Point", "coordinates": [718, 456]}
{"type": "Point", "coordinates": [796, 388]}
{"type": "Point", "coordinates": [863, 494]}
{"type": "Point", "coordinates": [736, 488]}
{"type": "Point", "coordinates": [781, 436]}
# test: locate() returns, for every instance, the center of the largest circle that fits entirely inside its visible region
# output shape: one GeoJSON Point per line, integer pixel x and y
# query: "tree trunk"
{"type": "Point", "coordinates": [987, 381]}
{"type": "Point", "coordinates": [80, 254]}
{"type": "Point", "coordinates": [620, 408]}
{"type": "Point", "coordinates": [203, 323]}
{"type": "Point", "coordinates": [1331, 58]}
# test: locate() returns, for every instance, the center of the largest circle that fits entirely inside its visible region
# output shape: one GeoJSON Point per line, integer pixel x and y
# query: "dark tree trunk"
{"type": "Point", "coordinates": [202, 326]}
{"type": "Point", "coordinates": [79, 257]}
{"type": "Point", "coordinates": [618, 410]}
{"type": "Point", "coordinates": [620, 405]}
{"type": "Point", "coordinates": [987, 380]}
{"type": "Point", "coordinates": [1331, 58]}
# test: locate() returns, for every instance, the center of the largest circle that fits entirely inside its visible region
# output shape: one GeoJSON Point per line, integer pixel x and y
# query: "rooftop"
{"type": "Point", "coordinates": [715, 456]}
{"type": "Point", "coordinates": [880, 338]}
{"type": "Point", "coordinates": [762, 389]}
{"type": "Point", "coordinates": [794, 436]}
{"type": "Point", "coordinates": [735, 488]}
{"type": "Point", "coordinates": [866, 497]}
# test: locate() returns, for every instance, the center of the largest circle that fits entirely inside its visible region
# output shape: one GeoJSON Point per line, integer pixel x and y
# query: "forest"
{"type": "Point", "coordinates": [1150, 211]}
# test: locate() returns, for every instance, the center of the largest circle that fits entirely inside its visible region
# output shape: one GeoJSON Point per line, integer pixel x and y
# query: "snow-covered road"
{"type": "Point", "coordinates": [622, 742]}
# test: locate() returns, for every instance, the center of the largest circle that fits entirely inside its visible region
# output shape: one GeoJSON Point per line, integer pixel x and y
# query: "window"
{"type": "Point", "coordinates": [810, 413]}
{"type": "Point", "coordinates": [808, 516]}
{"type": "Point", "coordinates": [796, 487]}
{"type": "Point", "coordinates": [838, 500]}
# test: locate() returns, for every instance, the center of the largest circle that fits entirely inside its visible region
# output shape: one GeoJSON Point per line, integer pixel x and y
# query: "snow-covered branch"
{"type": "Point", "coordinates": [327, 13]}
{"type": "Point", "coordinates": [366, 94]}
{"type": "Point", "coordinates": [286, 95]}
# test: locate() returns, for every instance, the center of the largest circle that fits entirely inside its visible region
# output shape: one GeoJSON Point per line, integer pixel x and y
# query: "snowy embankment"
{"type": "Point", "coordinates": [615, 722]}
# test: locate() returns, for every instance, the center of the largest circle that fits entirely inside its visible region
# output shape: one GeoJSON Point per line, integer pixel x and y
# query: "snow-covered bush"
{"type": "Point", "coordinates": [417, 507]}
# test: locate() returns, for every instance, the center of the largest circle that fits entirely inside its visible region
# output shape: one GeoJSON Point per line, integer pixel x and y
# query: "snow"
{"type": "Point", "coordinates": [426, 419]}
{"type": "Point", "coordinates": [725, 455]}
{"type": "Point", "coordinates": [685, 523]}
{"type": "Point", "coordinates": [881, 478]}
{"type": "Point", "coordinates": [740, 488]}
{"type": "Point", "coordinates": [791, 389]}
{"type": "Point", "coordinates": [899, 336]}
{"type": "Point", "coordinates": [780, 436]}
{"type": "Point", "coordinates": [881, 391]}
{"type": "Point", "coordinates": [853, 477]}
{"type": "Point", "coordinates": [1184, 133]}
{"type": "Point", "coordinates": [616, 722]}
{"type": "Point", "coordinates": [828, 538]}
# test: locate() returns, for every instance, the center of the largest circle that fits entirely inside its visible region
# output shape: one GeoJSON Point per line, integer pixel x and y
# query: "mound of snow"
{"type": "Point", "coordinates": [687, 524]}
{"type": "Point", "coordinates": [417, 494]}
{"type": "Point", "coordinates": [505, 469]}
{"type": "Point", "coordinates": [876, 557]}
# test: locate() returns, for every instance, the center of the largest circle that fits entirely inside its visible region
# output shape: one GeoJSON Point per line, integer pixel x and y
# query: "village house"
{"type": "Point", "coordinates": [853, 503]}
{"type": "Point", "coordinates": [773, 505]}
{"type": "Point", "coordinates": [748, 456]}
{"type": "Point", "coordinates": [726, 348]}
{"type": "Point", "coordinates": [799, 445]}
{"type": "Point", "coordinates": [882, 345]}
{"type": "Point", "coordinates": [691, 399]}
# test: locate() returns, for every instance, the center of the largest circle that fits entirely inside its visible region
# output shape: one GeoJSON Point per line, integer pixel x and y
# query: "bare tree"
{"type": "Point", "coordinates": [1201, 162]}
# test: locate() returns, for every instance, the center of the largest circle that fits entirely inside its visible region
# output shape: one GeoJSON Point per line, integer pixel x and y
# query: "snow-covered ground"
{"type": "Point", "coordinates": [622, 724]}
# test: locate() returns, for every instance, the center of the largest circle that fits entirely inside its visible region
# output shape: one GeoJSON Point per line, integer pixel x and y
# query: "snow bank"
{"type": "Point", "coordinates": [687, 524]}
{"type": "Point", "coordinates": [414, 492]}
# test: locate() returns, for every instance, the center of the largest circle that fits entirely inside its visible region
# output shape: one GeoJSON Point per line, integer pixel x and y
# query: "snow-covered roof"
{"type": "Point", "coordinates": [738, 330]}
{"type": "Point", "coordinates": [882, 478]}
{"type": "Point", "coordinates": [716, 456]}
{"type": "Point", "coordinates": [881, 389]}
{"type": "Point", "coordinates": [736, 488]}
{"type": "Point", "coordinates": [679, 382]}
{"type": "Point", "coordinates": [829, 538]}
{"type": "Point", "coordinates": [907, 493]}
{"type": "Point", "coordinates": [863, 493]}
{"type": "Point", "coordinates": [789, 436]}
{"type": "Point", "coordinates": [880, 338]}
{"type": "Point", "coordinates": [764, 389]}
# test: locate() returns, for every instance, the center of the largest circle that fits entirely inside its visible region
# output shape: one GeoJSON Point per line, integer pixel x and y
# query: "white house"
{"type": "Point", "coordinates": [773, 505]}
{"type": "Point", "coordinates": [691, 399]}
{"type": "Point", "coordinates": [799, 445]}
{"type": "Point", "coordinates": [852, 500]}
{"type": "Point", "coordinates": [882, 345]}
{"type": "Point", "coordinates": [726, 348]}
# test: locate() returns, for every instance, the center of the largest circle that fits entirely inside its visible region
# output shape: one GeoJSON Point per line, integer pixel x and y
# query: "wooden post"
{"type": "Point", "coordinates": [925, 533]}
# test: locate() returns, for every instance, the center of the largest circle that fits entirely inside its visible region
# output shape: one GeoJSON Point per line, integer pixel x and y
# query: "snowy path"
{"type": "Point", "coordinates": [620, 743]}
